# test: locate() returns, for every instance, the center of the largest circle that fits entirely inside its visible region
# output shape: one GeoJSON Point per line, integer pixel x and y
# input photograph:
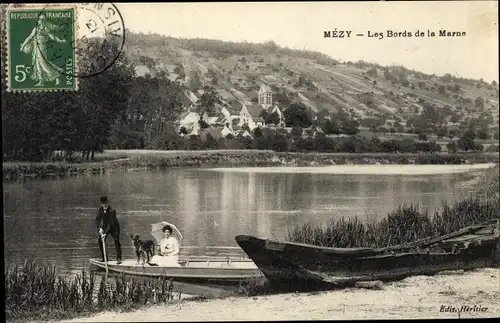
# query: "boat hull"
{"type": "Point", "coordinates": [292, 266]}
{"type": "Point", "coordinates": [193, 270]}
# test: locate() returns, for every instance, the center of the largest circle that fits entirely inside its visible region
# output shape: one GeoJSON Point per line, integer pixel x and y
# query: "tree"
{"type": "Point", "coordinates": [455, 118]}
{"type": "Point", "coordinates": [210, 142]}
{"type": "Point", "coordinates": [470, 133]}
{"type": "Point", "coordinates": [332, 127]}
{"type": "Point", "coordinates": [178, 69]}
{"type": "Point", "coordinates": [483, 134]}
{"type": "Point", "coordinates": [407, 145]}
{"type": "Point", "coordinates": [372, 72]}
{"type": "Point", "coordinates": [441, 132]}
{"type": "Point", "coordinates": [446, 78]}
{"type": "Point", "coordinates": [279, 142]}
{"type": "Point", "coordinates": [466, 143]}
{"type": "Point", "coordinates": [273, 118]}
{"type": "Point", "coordinates": [296, 115]}
{"type": "Point", "coordinates": [257, 132]}
{"type": "Point", "coordinates": [442, 89]}
{"type": "Point", "coordinates": [350, 127]}
{"type": "Point", "coordinates": [422, 137]}
{"type": "Point", "coordinates": [194, 143]}
{"type": "Point", "coordinates": [296, 131]}
{"type": "Point", "coordinates": [208, 100]}
{"type": "Point", "coordinates": [203, 124]}
{"type": "Point", "coordinates": [479, 102]}
{"type": "Point", "coordinates": [194, 82]}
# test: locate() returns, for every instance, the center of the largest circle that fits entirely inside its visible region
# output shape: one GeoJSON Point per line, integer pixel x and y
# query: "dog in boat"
{"type": "Point", "coordinates": [143, 249]}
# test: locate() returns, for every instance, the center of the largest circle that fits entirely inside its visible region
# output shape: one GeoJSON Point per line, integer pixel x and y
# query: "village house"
{"type": "Point", "coordinates": [250, 114]}
{"type": "Point", "coordinates": [244, 133]}
{"type": "Point", "coordinates": [189, 120]}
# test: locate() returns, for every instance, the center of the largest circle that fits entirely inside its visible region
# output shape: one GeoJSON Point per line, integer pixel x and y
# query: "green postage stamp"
{"type": "Point", "coordinates": [41, 55]}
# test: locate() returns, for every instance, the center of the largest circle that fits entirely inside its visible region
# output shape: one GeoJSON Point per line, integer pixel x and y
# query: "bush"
{"type": "Point", "coordinates": [406, 224]}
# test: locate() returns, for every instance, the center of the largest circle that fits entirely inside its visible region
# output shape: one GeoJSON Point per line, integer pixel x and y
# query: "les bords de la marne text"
{"type": "Point", "coordinates": [336, 33]}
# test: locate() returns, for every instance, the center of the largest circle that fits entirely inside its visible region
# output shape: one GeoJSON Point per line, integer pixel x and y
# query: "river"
{"type": "Point", "coordinates": [52, 221]}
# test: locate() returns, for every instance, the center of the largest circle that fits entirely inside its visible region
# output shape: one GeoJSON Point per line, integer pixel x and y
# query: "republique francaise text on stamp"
{"type": "Point", "coordinates": [40, 50]}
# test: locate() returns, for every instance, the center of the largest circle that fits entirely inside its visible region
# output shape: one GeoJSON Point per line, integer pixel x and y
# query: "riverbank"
{"type": "Point", "coordinates": [118, 160]}
{"type": "Point", "coordinates": [30, 295]}
{"type": "Point", "coordinates": [414, 297]}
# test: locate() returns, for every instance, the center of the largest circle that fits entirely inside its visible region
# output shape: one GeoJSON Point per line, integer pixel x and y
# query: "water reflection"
{"type": "Point", "coordinates": [53, 221]}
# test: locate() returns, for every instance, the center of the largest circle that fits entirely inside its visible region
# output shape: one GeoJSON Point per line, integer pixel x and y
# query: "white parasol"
{"type": "Point", "coordinates": [157, 231]}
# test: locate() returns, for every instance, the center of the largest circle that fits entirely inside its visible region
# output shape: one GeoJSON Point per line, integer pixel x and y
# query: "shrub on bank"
{"type": "Point", "coordinates": [406, 224]}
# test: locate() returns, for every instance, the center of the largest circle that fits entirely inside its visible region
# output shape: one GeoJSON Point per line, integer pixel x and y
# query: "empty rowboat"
{"type": "Point", "coordinates": [194, 269]}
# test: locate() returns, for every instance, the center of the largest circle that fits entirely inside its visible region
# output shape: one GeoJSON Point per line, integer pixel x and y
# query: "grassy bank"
{"type": "Point", "coordinates": [135, 159]}
{"type": "Point", "coordinates": [407, 223]}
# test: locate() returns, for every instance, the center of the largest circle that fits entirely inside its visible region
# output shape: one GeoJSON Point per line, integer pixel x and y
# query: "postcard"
{"type": "Point", "coordinates": [250, 160]}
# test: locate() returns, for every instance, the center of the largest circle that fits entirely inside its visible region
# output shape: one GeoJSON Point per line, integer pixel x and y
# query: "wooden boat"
{"type": "Point", "coordinates": [296, 266]}
{"type": "Point", "coordinates": [219, 270]}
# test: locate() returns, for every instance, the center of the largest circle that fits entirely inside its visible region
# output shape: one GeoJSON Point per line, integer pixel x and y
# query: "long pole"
{"type": "Point", "coordinates": [105, 254]}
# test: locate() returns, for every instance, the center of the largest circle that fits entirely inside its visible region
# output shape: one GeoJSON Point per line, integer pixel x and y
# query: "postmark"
{"type": "Point", "coordinates": [101, 37]}
{"type": "Point", "coordinates": [33, 35]}
{"type": "Point", "coordinates": [51, 47]}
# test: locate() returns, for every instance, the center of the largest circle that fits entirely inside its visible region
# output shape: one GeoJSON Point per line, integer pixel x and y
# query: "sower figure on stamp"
{"type": "Point", "coordinates": [107, 223]}
{"type": "Point", "coordinates": [36, 45]}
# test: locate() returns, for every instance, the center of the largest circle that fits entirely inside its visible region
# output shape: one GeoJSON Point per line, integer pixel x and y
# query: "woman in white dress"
{"type": "Point", "coordinates": [168, 250]}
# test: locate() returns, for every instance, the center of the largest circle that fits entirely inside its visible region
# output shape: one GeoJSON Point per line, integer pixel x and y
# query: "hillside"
{"type": "Point", "coordinates": [384, 97]}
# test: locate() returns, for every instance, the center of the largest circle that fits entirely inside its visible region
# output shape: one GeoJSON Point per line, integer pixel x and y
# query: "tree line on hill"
{"type": "Point", "coordinates": [222, 48]}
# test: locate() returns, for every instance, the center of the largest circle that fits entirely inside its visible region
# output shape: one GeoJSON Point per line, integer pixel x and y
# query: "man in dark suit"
{"type": "Point", "coordinates": [107, 223]}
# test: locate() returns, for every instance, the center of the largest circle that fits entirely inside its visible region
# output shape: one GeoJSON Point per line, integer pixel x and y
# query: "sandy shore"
{"type": "Point", "coordinates": [414, 297]}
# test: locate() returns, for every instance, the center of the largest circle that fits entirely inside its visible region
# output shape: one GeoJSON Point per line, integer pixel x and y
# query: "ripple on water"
{"type": "Point", "coordinates": [363, 169]}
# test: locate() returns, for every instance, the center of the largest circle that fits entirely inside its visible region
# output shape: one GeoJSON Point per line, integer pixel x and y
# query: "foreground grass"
{"type": "Point", "coordinates": [34, 292]}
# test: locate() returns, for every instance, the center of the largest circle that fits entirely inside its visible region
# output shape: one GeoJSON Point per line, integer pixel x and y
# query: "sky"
{"type": "Point", "coordinates": [302, 25]}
